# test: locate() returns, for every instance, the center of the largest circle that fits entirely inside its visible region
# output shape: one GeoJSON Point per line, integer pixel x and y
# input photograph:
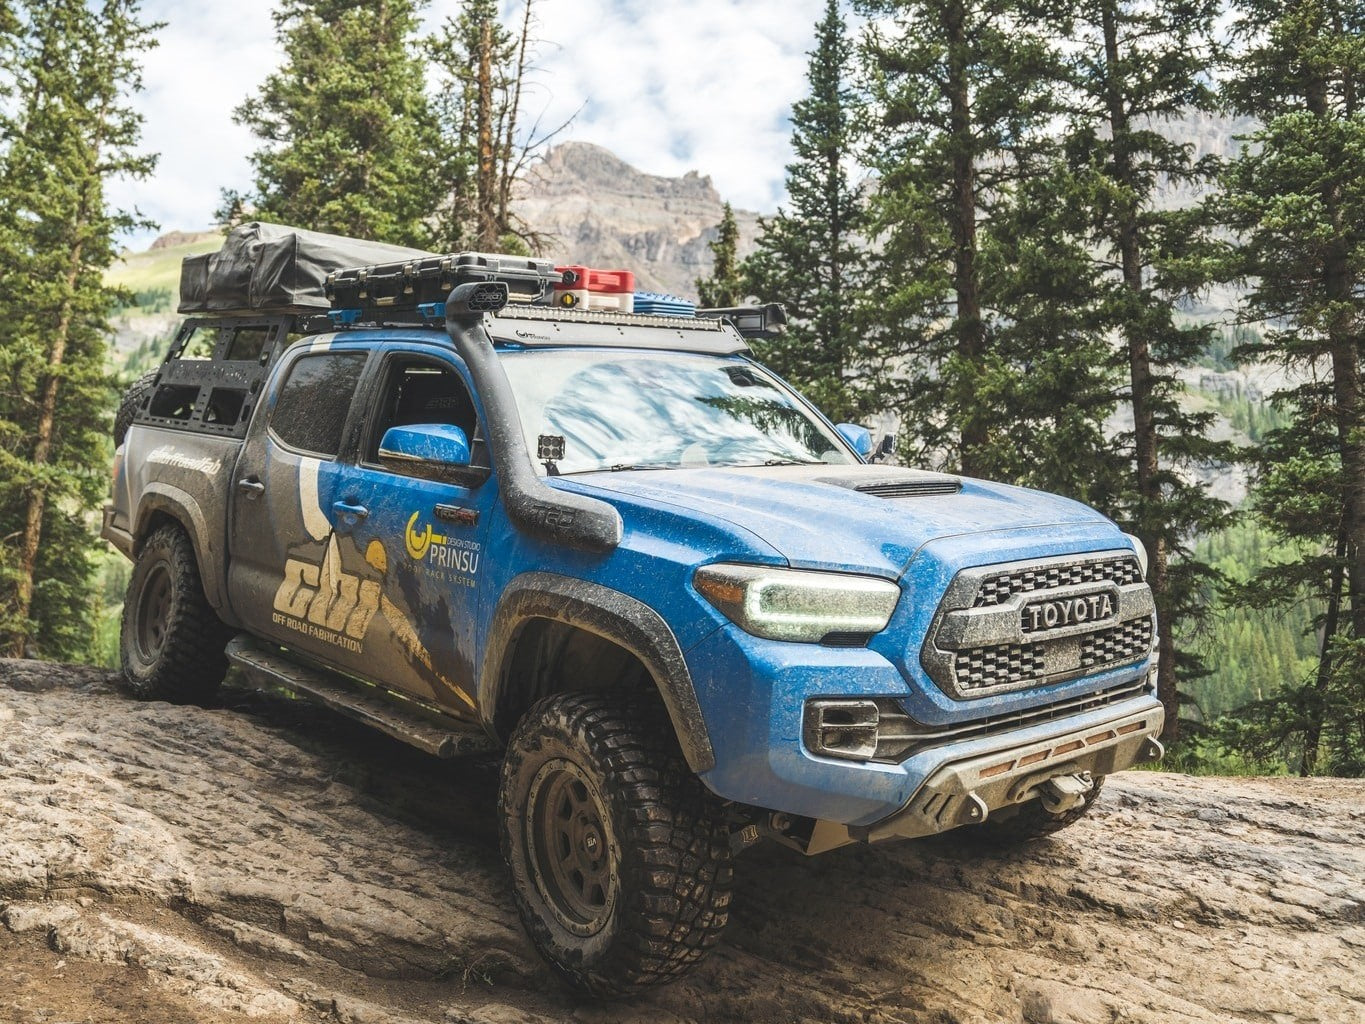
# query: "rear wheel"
{"type": "Point", "coordinates": [1032, 820]}
{"type": "Point", "coordinates": [172, 641]}
{"type": "Point", "coordinates": [620, 858]}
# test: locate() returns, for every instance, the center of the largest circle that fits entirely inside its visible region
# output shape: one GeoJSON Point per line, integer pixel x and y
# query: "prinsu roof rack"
{"type": "Point", "coordinates": [405, 285]}
{"type": "Point", "coordinates": [765, 321]}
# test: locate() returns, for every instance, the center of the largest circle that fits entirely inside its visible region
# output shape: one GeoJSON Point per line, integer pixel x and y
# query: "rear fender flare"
{"type": "Point", "coordinates": [180, 505]}
{"type": "Point", "coordinates": [612, 615]}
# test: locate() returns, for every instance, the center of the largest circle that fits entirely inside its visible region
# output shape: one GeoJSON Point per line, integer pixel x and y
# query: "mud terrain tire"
{"type": "Point", "coordinates": [620, 858]}
{"type": "Point", "coordinates": [1031, 820]}
{"type": "Point", "coordinates": [128, 406]}
{"type": "Point", "coordinates": [171, 647]}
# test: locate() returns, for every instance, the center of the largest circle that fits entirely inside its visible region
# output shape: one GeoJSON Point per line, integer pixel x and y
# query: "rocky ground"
{"type": "Point", "coordinates": [266, 860]}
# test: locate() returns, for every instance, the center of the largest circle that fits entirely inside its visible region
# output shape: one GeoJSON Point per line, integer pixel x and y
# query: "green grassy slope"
{"type": "Point", "coordinates": [157, 268]}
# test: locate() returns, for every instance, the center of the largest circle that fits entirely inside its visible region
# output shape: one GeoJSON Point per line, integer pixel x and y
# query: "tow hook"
{"type": "Point", "coordinates": [1065, 792]}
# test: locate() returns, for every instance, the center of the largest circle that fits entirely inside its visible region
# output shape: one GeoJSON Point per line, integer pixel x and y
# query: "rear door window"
{"type": "Point", "coordinates": [310, 414]}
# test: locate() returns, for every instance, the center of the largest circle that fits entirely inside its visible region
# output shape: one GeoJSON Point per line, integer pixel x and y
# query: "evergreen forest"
{"type": "Point", "coordinates": [990, 242]}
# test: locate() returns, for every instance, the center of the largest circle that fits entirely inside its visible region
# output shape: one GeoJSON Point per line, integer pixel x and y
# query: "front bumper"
{"type": "Point", "coordinates": [754, 693]}
{"type": "Point", "coordinates": [966, 792]}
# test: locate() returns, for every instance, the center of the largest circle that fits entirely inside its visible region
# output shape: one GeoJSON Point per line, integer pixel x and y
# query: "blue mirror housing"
{"type": "Point", "coordinates": [425, 446]}
{"type": "Point", "coordinates": [860, 438]}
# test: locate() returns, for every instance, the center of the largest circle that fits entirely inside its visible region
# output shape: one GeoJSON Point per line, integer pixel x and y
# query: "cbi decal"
{"type": "Point", "coordinates": [452, 559]}
{"type": "Point", "coordinates": [324, 601]}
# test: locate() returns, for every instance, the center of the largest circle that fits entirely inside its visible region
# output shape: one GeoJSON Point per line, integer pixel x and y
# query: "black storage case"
{"type": "Point", "coordinates": [409, 283]}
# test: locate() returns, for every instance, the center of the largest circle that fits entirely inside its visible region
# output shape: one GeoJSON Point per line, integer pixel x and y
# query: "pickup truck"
{"type": "Point", "coordinates": [688, 612]}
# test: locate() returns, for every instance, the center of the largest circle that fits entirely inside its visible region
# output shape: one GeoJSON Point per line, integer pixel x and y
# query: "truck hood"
{"type": "Point", "coordinates": [869, 519]}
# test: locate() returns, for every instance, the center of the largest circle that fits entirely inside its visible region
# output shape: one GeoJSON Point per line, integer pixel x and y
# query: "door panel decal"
{"type": "Point", "coordinates": [310, 501]}
{"type": "Point", "coordinates": [324, 601]}
{"type": "Point", "coordinates": [452, 560]}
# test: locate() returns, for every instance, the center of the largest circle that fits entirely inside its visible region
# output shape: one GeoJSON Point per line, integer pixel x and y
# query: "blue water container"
{"type": "Point", "coordinates": [657, 304]}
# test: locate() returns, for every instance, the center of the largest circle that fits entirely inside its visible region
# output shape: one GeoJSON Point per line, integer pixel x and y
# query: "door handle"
{"type": "Point", "coordinates": [342, 508]}
{"type": "Point", "coordinates": [251, 487]}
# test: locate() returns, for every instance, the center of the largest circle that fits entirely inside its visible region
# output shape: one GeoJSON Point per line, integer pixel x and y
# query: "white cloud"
{"type": "Point", "coordinates": [210, 58]}
{"type": "Point", "coordinates": [705, 85]}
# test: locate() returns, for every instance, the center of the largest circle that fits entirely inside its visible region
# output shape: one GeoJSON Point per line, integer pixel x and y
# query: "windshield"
{"type": "Point", "coordinates": [612, 409]}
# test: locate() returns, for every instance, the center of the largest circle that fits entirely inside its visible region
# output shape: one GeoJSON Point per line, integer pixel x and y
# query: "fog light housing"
{"type": "Point", "coordinates": [843, 728]}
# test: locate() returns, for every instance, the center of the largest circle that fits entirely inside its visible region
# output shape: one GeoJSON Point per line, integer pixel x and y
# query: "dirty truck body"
{"type": "Point", "coordinates": [457, 527]}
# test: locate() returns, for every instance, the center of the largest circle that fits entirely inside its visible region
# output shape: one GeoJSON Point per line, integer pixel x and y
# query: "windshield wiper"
{"type": "Point", "coordinates": [794, 462]}
{"type": "Point", "coordinates": [622, 467]}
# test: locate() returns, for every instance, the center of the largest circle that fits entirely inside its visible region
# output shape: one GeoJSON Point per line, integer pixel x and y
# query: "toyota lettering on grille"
{"type": "Point", "coordinates": [1067, 611]}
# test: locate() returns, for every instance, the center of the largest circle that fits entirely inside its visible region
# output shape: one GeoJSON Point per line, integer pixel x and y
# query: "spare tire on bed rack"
{"type": "Point", "coordinates": [130, 403]}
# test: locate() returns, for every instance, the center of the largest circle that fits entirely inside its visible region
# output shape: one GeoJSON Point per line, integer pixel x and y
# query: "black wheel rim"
{"type": "Point", "coordinates": [571, 849]}
{"type": "Point", "coordinates": [153, 612]}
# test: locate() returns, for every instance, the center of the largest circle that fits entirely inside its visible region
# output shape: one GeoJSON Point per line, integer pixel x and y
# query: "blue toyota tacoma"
{"type": "Point", "coordinates": [689, 611]}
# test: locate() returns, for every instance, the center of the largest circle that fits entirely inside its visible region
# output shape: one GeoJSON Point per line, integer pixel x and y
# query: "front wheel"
{"type": "Point", "coordinates": [172, 641]}
{"type": "Point", "coordinates": [620, 858]}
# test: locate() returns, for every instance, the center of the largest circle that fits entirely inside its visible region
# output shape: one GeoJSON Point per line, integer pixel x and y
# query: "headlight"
{"type": "Point", "coordinates": [1141, 553]}
{"type": "Point", "coordinates": [794, 604]}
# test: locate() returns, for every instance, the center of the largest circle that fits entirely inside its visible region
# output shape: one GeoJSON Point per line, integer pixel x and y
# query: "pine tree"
{"type": "Point", "coordinates": [349, 140]}
{"type": "Point", "coordinates": [1137, 65]}
{"type": "Point", "coordinates": [484, 148]}
{"type": "Point", "coordinates": [70, 131]}
{"type": "Point", "coordinates": [809, 256]}
{"type": "Point", "coordinates": [725, 285]}
{"type": "Point", "coordinates": [9, 39]}
{"type": "Point", "coordinates": [1295, 200]}
{"type": "Point", "coordinates": [979, 268]}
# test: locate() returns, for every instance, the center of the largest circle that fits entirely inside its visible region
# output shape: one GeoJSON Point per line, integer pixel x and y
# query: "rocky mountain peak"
{"type": "Point", "coordinates": [573, 166]}
{"type": "Point", "coordinates": [593, 208]}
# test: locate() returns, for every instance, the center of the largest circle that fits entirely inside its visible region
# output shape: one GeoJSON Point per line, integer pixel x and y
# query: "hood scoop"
{"type": "Point", "coordinates": [911, 488]}
{"type": "Point", "coordinates": [905, 483]}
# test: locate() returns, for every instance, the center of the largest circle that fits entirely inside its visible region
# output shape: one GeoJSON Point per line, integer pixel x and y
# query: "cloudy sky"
{"type": "Point", "coordinates": [668, 85]}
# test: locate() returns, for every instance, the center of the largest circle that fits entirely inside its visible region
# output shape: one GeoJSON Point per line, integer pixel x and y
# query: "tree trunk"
{"type": "Point", "coordinates": [1344, 350]}
{"type": "Point", "coordinates": [506, 165]}
{"type": "Point", "coordinates": [1145, 437]}
{"type": "Point", "coordinates": [42, 443]}
{"type": "Point", "coordinates": [487, 185]}
{"type": "Point", "coordinates": [1312, 733]}
{"type": "Point", "coordinates": [971, 331]}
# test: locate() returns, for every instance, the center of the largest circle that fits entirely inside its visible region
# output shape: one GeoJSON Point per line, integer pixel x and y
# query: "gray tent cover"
{"type": "Point", "coordinates": [277, 269]}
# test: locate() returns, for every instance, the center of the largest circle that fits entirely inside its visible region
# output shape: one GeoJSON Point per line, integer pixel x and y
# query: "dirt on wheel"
{"type": "Point", "coordinates": [266, 860]}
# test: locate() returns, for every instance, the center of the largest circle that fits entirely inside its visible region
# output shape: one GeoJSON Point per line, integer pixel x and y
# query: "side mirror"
{"type": "Point", "coordinates": [438, 451]}
{"type": "Point", "coordinates": [859, 438]}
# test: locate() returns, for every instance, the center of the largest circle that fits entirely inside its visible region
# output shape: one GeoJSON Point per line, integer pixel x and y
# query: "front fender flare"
{"type": "Point", "coordinates": [613, 616]}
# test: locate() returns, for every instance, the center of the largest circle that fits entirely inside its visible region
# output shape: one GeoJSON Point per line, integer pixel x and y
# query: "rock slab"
{"type": "Point", "coordinates": [265, 861]}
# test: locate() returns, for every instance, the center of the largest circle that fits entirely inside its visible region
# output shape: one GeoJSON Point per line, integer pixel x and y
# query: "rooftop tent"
{"type": "Point", "coordinates": [277, 269]}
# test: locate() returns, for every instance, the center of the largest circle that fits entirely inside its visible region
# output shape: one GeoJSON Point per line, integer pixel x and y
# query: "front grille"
{"type": "Point", "coordinates": [1127, 642]}
{"type": "Point", "coordinates": [979, 667]}
{"type": "Point", "coordinates": [1000, 588]}
{"type": "Point", "coordinates": [1018, 626]}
